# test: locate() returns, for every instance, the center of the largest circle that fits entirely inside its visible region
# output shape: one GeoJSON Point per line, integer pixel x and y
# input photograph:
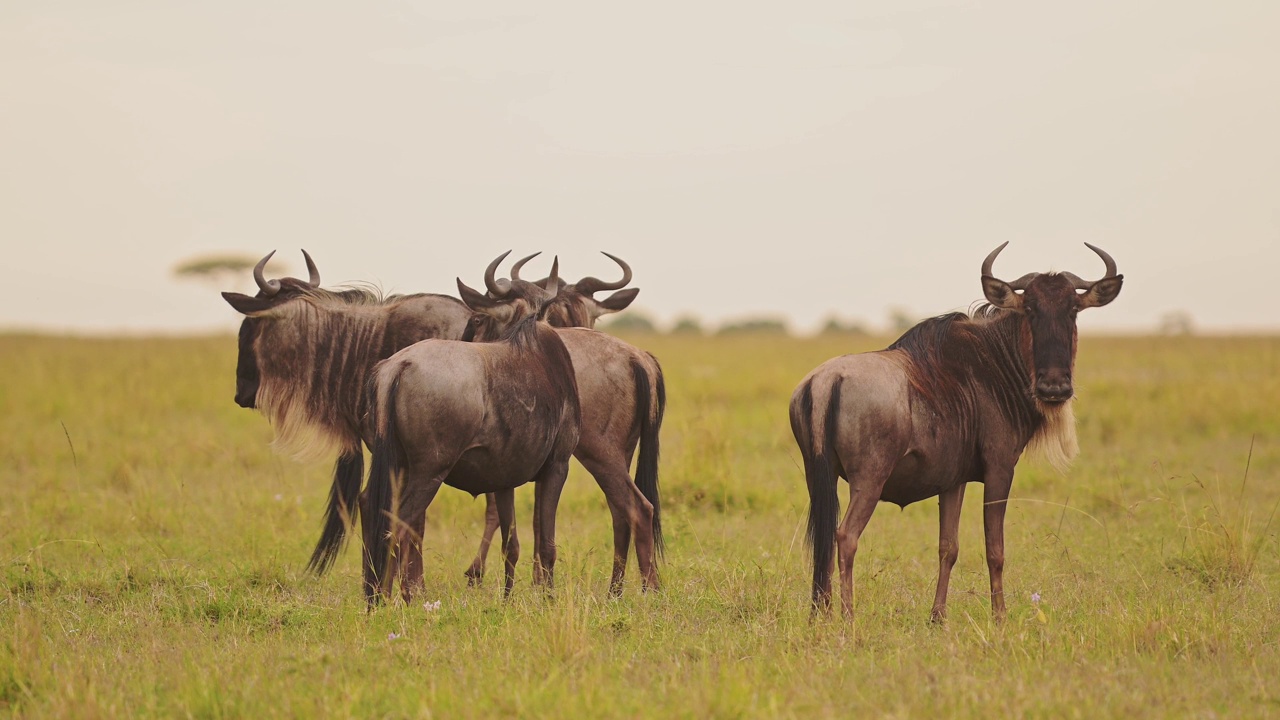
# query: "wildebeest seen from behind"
{"type": "Point", "coordinates": [485, 416]}
{"type": "Point", "coordinates": [622, 394]}
{"type": "Point", "coordinates": [955, 400]}
{"type": "Point", "coordinates": [305, 354]}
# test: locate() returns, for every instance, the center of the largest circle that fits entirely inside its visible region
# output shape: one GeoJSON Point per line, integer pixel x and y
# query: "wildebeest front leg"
{"type": "Point", "coordinates": [546, 499]}
{"type": "Point", "coordinates": [995, 499]}
{"type": "Point", "coordinates": [505, 508]}
{"type": "Point", "coordinates": [475, 573]}
{"type": "Point", "coordinates": [949, 504]}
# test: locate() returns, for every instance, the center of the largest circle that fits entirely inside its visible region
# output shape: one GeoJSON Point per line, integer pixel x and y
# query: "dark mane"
{"type": "Point", "coordinates": [522, 333]}
{"type": "Point", "coordinates": [952, 354]}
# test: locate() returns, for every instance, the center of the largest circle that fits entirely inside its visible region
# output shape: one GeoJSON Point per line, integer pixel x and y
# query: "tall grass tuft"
{"type": "Point", "coordinates": [1221, 546]}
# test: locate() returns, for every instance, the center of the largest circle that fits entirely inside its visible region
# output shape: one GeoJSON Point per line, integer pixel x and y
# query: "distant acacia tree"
{"type": "Point", "coordinates": [225, 269]}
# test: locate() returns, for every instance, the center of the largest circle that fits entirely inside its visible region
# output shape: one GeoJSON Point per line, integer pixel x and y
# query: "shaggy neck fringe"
{"type": "Point", "coordinates": [952, 355]}
{"type": "Point", "coordinates": [314, 358]}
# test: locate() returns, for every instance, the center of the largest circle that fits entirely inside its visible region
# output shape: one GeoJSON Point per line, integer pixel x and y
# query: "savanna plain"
{"type": "Point", "coordinates": [152, 553]}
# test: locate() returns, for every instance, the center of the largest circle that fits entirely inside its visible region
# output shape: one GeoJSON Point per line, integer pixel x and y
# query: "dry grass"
{"type": "Point", "coordinates": [152, 547]}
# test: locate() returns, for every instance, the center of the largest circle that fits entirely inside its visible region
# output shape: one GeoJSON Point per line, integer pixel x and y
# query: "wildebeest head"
{"type": "Point", "coordinates": [1050, 302]}
{"type": "Point", "coordinates": [271, 294]}
{"type": "Point", "coordinates": [575, 306]}
{"type": "Point", "coordinates": [506, 302]}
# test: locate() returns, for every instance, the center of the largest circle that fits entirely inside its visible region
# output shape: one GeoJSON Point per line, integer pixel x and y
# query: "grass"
{"type": "Point", "coordinates": [152, 552]}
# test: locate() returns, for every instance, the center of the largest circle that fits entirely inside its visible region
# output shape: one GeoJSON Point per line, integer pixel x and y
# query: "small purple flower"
{"type": "Point", "coordinates": [1035, 598]}
{"type": "Point", "coordinates": [431, 606]}
{"type": "Point", "coordinates": [393, 636]}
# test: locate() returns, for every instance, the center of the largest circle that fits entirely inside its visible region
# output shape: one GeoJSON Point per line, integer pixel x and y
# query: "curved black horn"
{"type": "Point", "coordinates": [1019, 284]}
{"type": "Point", "coordinates": [311, 270]}
{"type": "Point", "coordinates": [590, 285]}
{"type": "Point", "coordinates": [268, 288]}
{"type": "Point", "coordinates": [495, 288]}
{"type": "Point", "coordinates": [1111, 264]}
{"type": "Point", "coordinates": [991, 259]}
{"type": "Point", "coordinates": [515, 269]}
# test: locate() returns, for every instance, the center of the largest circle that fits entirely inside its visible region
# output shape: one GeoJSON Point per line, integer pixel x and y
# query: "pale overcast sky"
{"type": "Point", "coordinates": [797, 159]}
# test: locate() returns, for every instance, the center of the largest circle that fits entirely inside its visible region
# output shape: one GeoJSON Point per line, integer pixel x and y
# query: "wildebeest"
{"type": "Point", "coordinates": [955, 400]}
{"type": "Point", "coordinates": [622, 394]}
{"type": "Point", "coordinates": [316, 352]}
{"type": "Point", "coordinates": [485, 416]}
{"type": "Point", "coordinates": [305, 354]}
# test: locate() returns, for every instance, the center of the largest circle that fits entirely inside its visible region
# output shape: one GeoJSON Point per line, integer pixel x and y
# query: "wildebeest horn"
{"type": "Point", "coordinates": [268, 288]}
{"type": "Point", "coordinates": [1111, 264]}
{"type": "Point", "coordinates": [311, 270]}
{"type": "Point", "coordinates": [1081, 284]}
{"type": "Point", "coordinates": [1019, 284]}
{"type": "Point", "coordinates": [991, 260]}
{"type": "Point", "coordinates": [588, 285]}
{"type": "Point", "coordinates": [496, 288]}
{"type": "Point", "coordinates": [515, 269]}
{"type": "Point", "coordinates": [552, 283]}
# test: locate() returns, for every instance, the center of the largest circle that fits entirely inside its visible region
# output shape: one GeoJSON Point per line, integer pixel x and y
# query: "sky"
{"type": "Point", "coordinates": [797, 160]}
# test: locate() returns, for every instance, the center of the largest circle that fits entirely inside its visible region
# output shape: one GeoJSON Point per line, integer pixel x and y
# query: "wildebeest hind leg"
{"type": "Point", "coordinates": [416, 497]}
{"type": "Point", "coordinates": [864, 493]}
{"type": "Point", "coordinates": [949, 504]}
{"type": "Point", "coordinates": [632, 517]}
{"type": "Point", "coordinates": [475, 573]}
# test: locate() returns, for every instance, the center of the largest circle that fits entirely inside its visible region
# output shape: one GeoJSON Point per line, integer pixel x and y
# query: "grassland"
{"type": "Point", "coordinates": [152, 551]}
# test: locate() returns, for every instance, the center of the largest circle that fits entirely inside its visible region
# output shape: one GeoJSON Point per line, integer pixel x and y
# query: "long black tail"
{"type": "Point", "coordinates": [343, 509]}
{"type": "Point", "coordinates": [816, 445]}
{"type": "Point", "coordinates": [384, 468]}
{"type": "Point", "coordinates": [651, 413]}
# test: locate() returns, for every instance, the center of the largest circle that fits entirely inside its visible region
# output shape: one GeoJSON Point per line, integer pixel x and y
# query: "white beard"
{"type": "Point", "coordinates": [1056, 439]}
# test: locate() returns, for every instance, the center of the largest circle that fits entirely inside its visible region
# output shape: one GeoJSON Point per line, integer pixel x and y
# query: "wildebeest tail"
{"type": "Point", "coordinates": [343, 508]}
{"type": "Point", "coordinates": [814, 430]}
{"type": "Point", "coordinates": [384, 470]}
{"type": "Point", "coordinates": [651, 403]}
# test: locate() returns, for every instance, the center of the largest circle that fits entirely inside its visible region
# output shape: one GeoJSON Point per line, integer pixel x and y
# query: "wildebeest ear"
{"type": "Point", "coordinates": [619, 300]}
{"type": "Point", "coordinates": [474, 299]}
{"type": "Point", "coordinates": [1102, 292]}
{"type": "Point", "coordinates": [1000, 293]}
{"type": "Point", "coordinates": [247, 304]}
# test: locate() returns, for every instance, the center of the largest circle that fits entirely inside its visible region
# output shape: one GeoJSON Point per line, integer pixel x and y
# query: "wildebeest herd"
{"type": "Point", "coordinates": [500, 388]}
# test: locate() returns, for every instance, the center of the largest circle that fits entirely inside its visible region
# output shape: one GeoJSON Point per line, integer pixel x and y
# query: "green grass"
{"type": "Point", "coordinates": [152, 552]}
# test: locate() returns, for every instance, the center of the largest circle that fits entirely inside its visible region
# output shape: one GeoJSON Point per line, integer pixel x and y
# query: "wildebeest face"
{"type": "Point", "coordinates": [507, 302]}
{"type": "Point", "coordinates": [1050, 302]}
{"type": "Point", "coordinates": [257, 310]}
{"type": "Point", "coordinates": [247, 377]}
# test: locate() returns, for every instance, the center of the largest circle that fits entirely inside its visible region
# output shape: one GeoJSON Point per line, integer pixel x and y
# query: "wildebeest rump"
{"type": "Point", "coordinates": [955, 400]}
{"type": "Point", "coordinates": [485, 416]}
{"type": "Point", "coordinates": [305, 354]}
